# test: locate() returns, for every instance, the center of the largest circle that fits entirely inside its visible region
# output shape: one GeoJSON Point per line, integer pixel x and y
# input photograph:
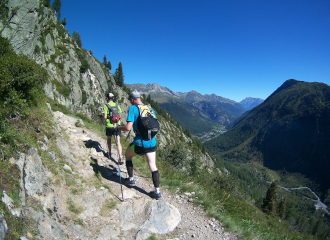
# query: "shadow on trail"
{"type": "Point", "coordinates": [112, 174]}
{"type": "Point", "coordinates": [97, 146]}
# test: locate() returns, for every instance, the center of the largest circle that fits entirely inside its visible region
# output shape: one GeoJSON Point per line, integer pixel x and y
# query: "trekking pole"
{"type": "Point", "coordinates": [129, 133]}
{"type": "Point", "coordinates": [121, 185]}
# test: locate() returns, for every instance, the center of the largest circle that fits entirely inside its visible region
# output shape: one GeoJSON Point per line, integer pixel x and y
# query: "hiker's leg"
{"type": "Point", "coordinates": [117, 139]}
{"type": "Point", "coordinates": [109, 145]}
{"type": "Point", "coordinates": [151, 158]}
{"type": "Point", "coordinates": [129, 164]}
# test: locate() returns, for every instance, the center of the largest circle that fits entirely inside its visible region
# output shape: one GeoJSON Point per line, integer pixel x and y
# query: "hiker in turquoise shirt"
{"type": "Point", "coordinates": [140, 146]}
{"type": "Point", "coordinates": [110, 131]}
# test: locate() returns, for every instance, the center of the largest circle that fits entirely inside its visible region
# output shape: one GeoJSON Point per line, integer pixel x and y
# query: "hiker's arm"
{"type": "Point", "coordinates": [125, 128]}
{"type": "Point", "coordinates": [105, 116]}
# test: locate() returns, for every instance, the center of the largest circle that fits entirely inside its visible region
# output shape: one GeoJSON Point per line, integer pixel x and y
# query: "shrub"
{"type": "Point", "coordinates": [176, 155]}
{"type": "Point", "coordinates": [83, 97]}
{"type": "Point", "coordinates": [21, 80]}
{"type": "Point", "coordinates": [63, 90]}
{"type": "Point", "coordinates": [36, 49]}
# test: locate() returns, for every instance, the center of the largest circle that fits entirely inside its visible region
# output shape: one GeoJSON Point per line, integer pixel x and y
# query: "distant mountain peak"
{"type": "Point", "coordinates": [249, 102]}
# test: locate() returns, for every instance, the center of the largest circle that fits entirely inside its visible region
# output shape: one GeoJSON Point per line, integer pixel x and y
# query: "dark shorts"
{"type": "Point", "coordinates": [141, 150]}
{"type": "Point", "coordinates": [111, 132]}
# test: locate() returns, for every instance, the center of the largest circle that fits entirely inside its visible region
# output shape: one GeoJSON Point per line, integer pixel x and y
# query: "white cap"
{"type": "Point", "coordinates": [109, 95]}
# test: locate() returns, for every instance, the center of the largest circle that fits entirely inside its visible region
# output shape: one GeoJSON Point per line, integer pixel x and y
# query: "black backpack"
{"type": "Point", "coordinates": [113, 113]}
{"type": "Point", "coordinates": [147, 123]}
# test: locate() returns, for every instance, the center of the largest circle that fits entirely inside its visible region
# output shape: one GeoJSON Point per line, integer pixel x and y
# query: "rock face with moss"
{"type": "Point", "coordinates": [77, 79]}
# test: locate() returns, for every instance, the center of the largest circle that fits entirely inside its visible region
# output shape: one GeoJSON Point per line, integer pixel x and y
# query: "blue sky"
{"type": "Point", "coordinates": [235, 49]}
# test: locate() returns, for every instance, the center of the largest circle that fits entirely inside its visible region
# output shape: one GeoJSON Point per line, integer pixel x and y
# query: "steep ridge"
{"type": "Point", "coordinates": [77, 79]}
{"type": "Point", "coordinates": [83, 200]}
{"type": "Point", "coordinates": [288, 131]}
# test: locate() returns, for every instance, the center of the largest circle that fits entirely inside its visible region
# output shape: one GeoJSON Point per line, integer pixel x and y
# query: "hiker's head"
{"type": "Point", "coordinates": [134, 96]}
{"type": "Point", "coordinates": [109, 96]}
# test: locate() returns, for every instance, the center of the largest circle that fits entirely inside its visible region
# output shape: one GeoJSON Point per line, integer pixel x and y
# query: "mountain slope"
{"type": "Point", "coordinates": [290, 130]}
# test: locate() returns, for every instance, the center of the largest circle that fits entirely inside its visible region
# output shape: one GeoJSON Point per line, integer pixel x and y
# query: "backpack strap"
{"type": "Point", "coordinates": [109, 107]}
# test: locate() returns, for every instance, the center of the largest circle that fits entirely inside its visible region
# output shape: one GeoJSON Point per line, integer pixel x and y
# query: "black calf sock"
{"type": "Point", "coordinates": [129, 167]}
{"type": "Point", "coordinates": [155, 178]}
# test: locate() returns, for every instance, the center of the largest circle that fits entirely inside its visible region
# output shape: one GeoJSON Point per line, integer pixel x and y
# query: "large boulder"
{"type": "Point", "coordinates": [36, 181]}
{"type": "Point", "coordinates": [148, 217]}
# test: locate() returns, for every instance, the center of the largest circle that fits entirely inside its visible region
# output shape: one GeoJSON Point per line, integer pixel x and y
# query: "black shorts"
{"type": "Point", "coordinates": [141, 150]}
{"type": "Point", "coordinates": [111, 132]}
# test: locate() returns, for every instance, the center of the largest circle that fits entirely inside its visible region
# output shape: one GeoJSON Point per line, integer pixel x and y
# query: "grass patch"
{"type": "Point", "coordinates": [79, 222]}
{"type": "Point", "coordinates": [61, 88]}
{"type": "Point", "coordinates": [107, 206]}
{"type": "Point", "coordinates": [152, 237]}
{"type": "Point", "coordinates": [69, 180]}
{"type": "Point", "coordinates": [73, 207]}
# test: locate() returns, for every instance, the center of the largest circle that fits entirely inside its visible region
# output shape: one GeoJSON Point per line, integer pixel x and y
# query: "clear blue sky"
{"type": "Point", "coordinates": [233, 48]}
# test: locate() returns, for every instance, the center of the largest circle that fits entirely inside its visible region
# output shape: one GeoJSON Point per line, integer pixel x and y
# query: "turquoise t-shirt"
{"type": "Point", "coordinates": [106, 110]}
{"type": "Point", "coordinates": [133, 114]}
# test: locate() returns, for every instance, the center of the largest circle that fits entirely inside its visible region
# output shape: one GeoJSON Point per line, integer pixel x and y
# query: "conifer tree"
{"type": "Point", "coordinates": [282, 209]}
{"type": "Point", "coordinates": [269, 205]}
{"type": "Point", "coordinates": [109, 65]}
{"type": "Point", "coordinates": [57, 6]}
{"type": "Point", "coordinates": [119, 75]}
{"type": "Point", "coordinates": [105, 62]}
{"type": "Point", "coordinates": [47, 3]}
{"type": "Point", "coordinates": [64, 22]}
{"type": "Point", "coordinates": [76, 38]}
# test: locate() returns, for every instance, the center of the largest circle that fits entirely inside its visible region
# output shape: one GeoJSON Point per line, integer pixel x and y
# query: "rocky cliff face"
{"type": "Point", "coordinates": [77, 79]}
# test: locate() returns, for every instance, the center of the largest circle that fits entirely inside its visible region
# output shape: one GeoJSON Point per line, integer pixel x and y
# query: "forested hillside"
{"type": "Point", "coordinates": [289, 131]}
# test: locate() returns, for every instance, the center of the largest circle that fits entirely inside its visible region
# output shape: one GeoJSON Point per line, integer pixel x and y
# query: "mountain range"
{"type": "Point", "coordinates": [289, 131]}
{"type": "Point", "coordinates": [205, 115]}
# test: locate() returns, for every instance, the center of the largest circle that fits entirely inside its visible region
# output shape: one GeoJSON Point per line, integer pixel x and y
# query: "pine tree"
{"type": "Point", "coordinates": [282, 209]}
{"type": "Point", "coordinates": [105, 62]}
{"type": "Point", "coordinates": [57, 6]}
{"type": "Point", "coordinates": [119, 75]}
{"type": "Point", "coordinates": [64, 22]}
{"type": "Point", "coordinates": [109, 65]}
{"type": "Point", "coordinates": [47, 3]}
{"type": "Point", "coordinates": [269, 202]}
{"type": "Point", "coordinates": [76, 38]}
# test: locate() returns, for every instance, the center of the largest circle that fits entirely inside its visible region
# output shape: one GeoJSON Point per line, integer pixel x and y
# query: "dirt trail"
{"type": "Point", "coordinates": [86, 145]}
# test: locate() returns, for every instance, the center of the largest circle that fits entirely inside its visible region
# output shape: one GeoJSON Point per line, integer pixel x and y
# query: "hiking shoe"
{"type": "Point", "coordinates": [121, 160]}
{"type": "Point", "coordinates": [155, 195]}
{"type": "Point", "coordinates": [129, 183]}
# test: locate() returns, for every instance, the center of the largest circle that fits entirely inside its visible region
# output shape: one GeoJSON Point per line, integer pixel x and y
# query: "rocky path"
{"type": "Point", "coordinates": [137, 217]}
